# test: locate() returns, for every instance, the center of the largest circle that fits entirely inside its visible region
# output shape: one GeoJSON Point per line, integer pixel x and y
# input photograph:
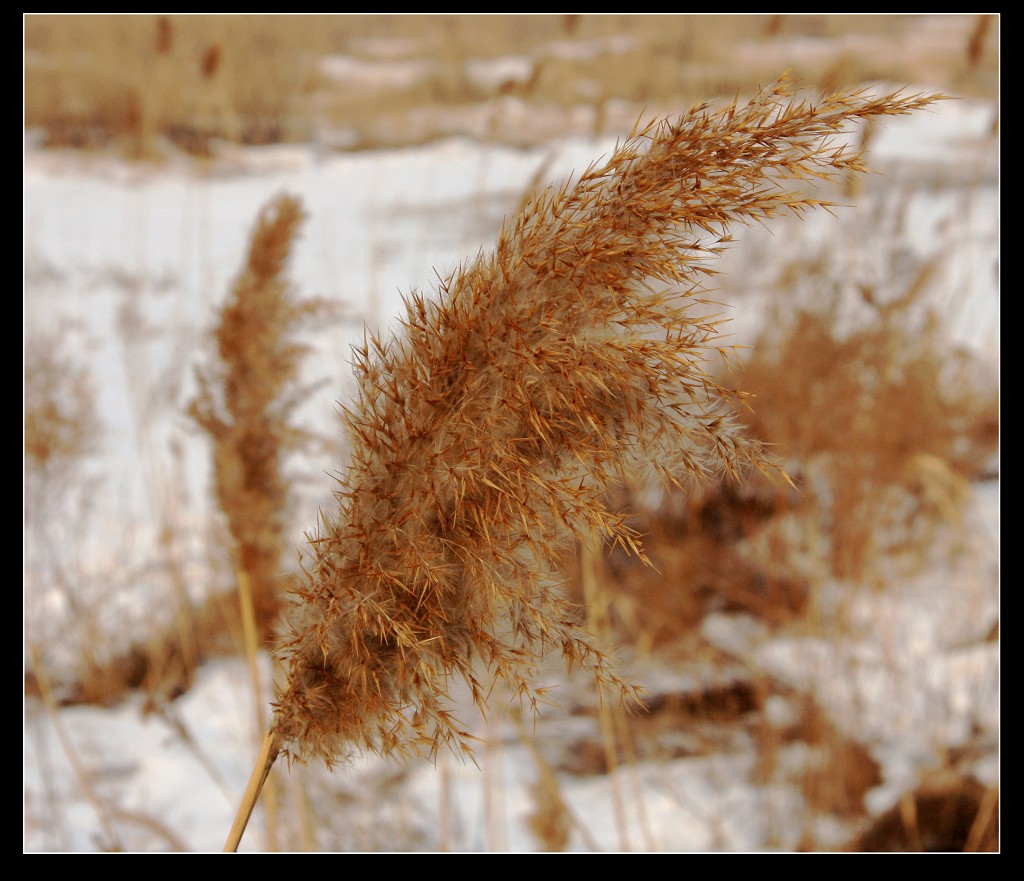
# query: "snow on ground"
{"type": "Point", "coordinates": [129, 264]}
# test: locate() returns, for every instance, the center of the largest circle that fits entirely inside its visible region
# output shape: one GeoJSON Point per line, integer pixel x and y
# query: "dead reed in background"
{"type": "Point", "coordinates": [60, 432]}
{"type": "Point", "coordinates": [244, 402]}
{"type": "Point", "coordinates": [884, 423]}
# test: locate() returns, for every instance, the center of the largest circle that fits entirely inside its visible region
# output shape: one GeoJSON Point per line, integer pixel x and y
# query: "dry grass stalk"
{"type": "Point", "coordinates": [486, 437]}
{"type": "Point", "coordinates": [976, 40]}
{"type": "Point", "coordinates": [111, 839]}
{"type": "Point", "coordinates": [598, 602]}
{"type": "Point", "coordinates": [60, 433]}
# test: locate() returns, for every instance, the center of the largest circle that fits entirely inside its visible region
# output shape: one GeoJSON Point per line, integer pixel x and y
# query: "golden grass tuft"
{"type": "Point", "coordinates": [486, 435]}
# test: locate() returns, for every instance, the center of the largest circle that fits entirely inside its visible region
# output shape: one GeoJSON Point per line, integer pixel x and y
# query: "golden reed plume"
{"type": "Point", "coordinates": [486, 434]}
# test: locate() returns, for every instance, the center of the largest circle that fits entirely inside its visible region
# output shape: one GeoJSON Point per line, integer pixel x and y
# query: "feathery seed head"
{"type": "Point", "coordinates": [486, 434]}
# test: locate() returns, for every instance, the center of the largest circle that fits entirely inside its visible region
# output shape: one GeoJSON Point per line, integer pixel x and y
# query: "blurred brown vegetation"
{"type": "Point", "coordinates": [882, 426]}
{"type": "Point", "coordinates": [137, 82]}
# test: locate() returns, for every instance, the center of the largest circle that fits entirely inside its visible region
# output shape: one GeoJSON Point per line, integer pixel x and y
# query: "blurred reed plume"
{"type": "Point", "coordinates": [60, 421]}
{"type": "Point", "coordinates": [486, 435]}
{"type": "Point", "coordinates": [903, 419]}
{"type": "Point", "coordinates": [244, 401]}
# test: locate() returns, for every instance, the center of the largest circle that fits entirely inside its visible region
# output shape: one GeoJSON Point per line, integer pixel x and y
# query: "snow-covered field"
{"type": "Point", "coordinates": [125, 266]}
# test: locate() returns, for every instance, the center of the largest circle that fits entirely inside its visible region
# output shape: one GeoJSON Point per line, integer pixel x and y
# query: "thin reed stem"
{"type": "Point", "coordinates": [111, 838]}
{"type": "Point", "coordinates": [597, 610]}
{"type": "Point", "coordinates": [269, 751]}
